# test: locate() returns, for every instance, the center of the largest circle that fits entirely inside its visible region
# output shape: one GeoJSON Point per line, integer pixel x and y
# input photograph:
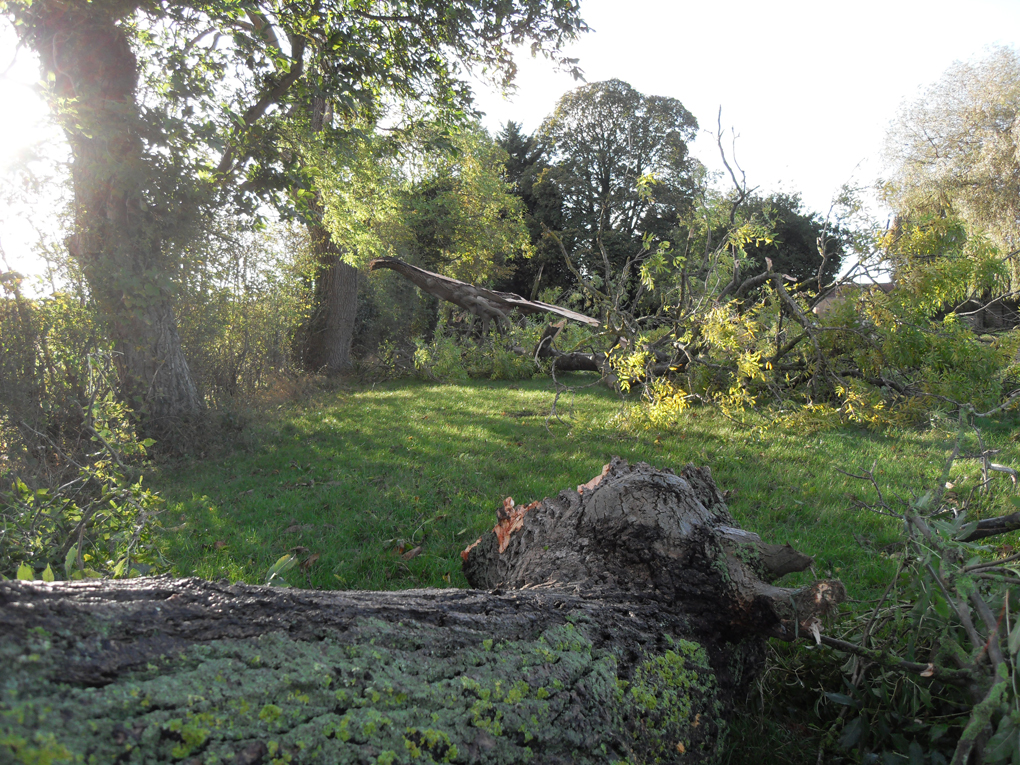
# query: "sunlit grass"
{"type": "Point", "coordinates": [352, 481]}
{"type": "Point", "coordinates": [363, 476]}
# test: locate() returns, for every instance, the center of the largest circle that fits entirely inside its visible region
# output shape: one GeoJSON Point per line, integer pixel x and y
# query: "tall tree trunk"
{"type": "Point", "coordinates": [331, 330]}
{"type": "Point", "coordinates": [119, 230]}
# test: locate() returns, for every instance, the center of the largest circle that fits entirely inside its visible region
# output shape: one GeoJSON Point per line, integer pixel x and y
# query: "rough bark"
{"type": "Point", "coordinates": [488, 305]}
{"type": "Point", "coordinates": [119, 236]}
{"type": "Point", "coordinates": [624, 618]}
{"type": "Point", "coordinates": [658, 536]}
{"type": "Point", "coordinates": [330, 332]}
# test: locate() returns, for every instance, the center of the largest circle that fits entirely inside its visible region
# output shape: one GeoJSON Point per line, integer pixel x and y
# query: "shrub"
{"type": "Point", "coordinates": [451, 357]}
{"type": "Point", "coordinates": [99, 522]}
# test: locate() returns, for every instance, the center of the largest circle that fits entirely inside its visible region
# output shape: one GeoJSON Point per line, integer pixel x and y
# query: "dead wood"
{"type": "Point", "coordinates": [486, 304]}
{"type": "Point", "coordinates": [652, 534]}
{"type": "Point", "coordinates": [613, 622]}
{"type": "Point", "coordinates": [990, 527]}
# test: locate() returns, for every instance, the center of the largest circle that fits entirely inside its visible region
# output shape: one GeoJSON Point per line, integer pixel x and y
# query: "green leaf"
{"type": "Point", "coordinates": [1015, 501]}
{"type": "Point", "coordinates": [25, 572]}
{"type": "Point", "coordinates": [841, 698]}
{"type": "Point", "coordinates": [851, 733]}
{"type": "Point", "coordinates": [940, 606]}
{"type": "Point", "coordinates": [1000, 747]}
{"type": "Point", "coordinates": [967, 530]}
{"type": "Point", "coordinates": [47, 575]}
{"type": "Point", "coordinates": [274, 577]}
{"type": "Point", "coordinates": [70, 559]}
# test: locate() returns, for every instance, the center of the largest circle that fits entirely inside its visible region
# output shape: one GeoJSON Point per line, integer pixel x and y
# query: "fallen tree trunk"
{"type": "Point", "coordinates": [616, 623]}
{"type": "Point", "coordinates": [491, 305]}
{"type": "Point", "coordinates": [488, 305]}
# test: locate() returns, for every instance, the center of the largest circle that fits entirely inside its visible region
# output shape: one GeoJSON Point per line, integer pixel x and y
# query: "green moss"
{"type": "Point", "coordinates": [671, 702]}
{"type": "Point", "coordinates": [330, 702]}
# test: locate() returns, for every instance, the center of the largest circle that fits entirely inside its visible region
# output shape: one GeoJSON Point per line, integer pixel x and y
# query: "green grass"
{"type": "Point", "coordinates": [358, 476]}
{"type": "Point", "coordinates": [349, 480]}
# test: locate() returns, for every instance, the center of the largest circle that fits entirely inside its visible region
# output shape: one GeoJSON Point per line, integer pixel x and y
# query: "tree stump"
{"type": "Point", "coordinates": [610, 624]}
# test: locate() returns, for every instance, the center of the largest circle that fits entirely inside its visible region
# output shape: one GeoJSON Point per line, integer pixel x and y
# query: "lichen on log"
{"type": "Point", "coordinates": [615, 625]}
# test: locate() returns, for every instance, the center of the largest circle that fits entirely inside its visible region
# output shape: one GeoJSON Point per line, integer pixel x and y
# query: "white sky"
{"type": "Point", "coordinates": [808, 85]}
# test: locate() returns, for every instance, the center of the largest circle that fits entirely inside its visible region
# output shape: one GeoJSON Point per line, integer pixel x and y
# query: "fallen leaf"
{"type": "Point", "coordinates": [411, 553]}
{"type": "Point", "coordinates": [219, 544]}
{"type": "Point", "coordinates": [243, 493]}
{"type": "Point", "coordinates": [309, 561]}
{"type": "Point", "coordinates": [929, 670]}
{"type": "Point", "coordinates": [299, 550]}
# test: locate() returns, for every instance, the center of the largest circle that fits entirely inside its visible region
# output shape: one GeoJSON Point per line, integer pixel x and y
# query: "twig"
{"type": "Point", "coordinates": [960, 677]}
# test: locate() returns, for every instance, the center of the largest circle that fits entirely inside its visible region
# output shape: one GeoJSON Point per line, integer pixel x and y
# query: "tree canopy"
{"type": "Point", "coordinates": [797, 235]}
{"type": "Point", "coordinates": [956, 150]}
{"type": "Point", "coordinates": [169, 109]}
{"type": "Point", "coordinates": [622, 165]}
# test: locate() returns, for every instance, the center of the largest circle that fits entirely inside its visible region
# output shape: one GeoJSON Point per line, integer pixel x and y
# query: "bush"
{"type": "Point", "coordinates": [239, 313]}
{"type": "Point", "coordinates": [99, 522]}
{"type": "Point", "coordinates": [451, 357]}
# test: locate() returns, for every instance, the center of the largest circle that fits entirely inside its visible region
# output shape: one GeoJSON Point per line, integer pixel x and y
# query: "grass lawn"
{"type": "Point", "coordinates": [381, 487]}
{"type": "Point", "coordinates": [353, 482]}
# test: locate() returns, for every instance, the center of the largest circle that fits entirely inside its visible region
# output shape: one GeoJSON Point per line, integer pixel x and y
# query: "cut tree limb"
{"type": "Point", "coordinates": [616, 622]}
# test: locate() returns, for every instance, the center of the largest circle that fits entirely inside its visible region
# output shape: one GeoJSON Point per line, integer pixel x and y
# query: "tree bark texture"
{"type": "Point", "coordinates": [616, 625]}
{"type": "Point", "coordinates": [330, 331]}
{"type": "Point", "coordinates": [119, 234]}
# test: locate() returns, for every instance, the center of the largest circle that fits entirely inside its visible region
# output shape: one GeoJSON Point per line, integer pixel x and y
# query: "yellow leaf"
{"type": "Point", "coordinates": [47, 575]}
{"type": "Point", "coordinates": [25, 572]}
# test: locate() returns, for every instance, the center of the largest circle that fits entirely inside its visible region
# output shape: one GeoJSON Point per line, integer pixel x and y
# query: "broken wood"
{"type": "Point", "coordinates": [990, 527]}
{"type": "Point", "coordinates": [488, 305]}
{"type": "Point", "coordinates": [614, 622]}
{"type": "Point", "coordinates": [493, 306]}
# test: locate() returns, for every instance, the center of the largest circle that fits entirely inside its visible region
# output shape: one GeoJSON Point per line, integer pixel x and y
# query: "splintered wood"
{"type": "Point", "coordinates": [510, 517]}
